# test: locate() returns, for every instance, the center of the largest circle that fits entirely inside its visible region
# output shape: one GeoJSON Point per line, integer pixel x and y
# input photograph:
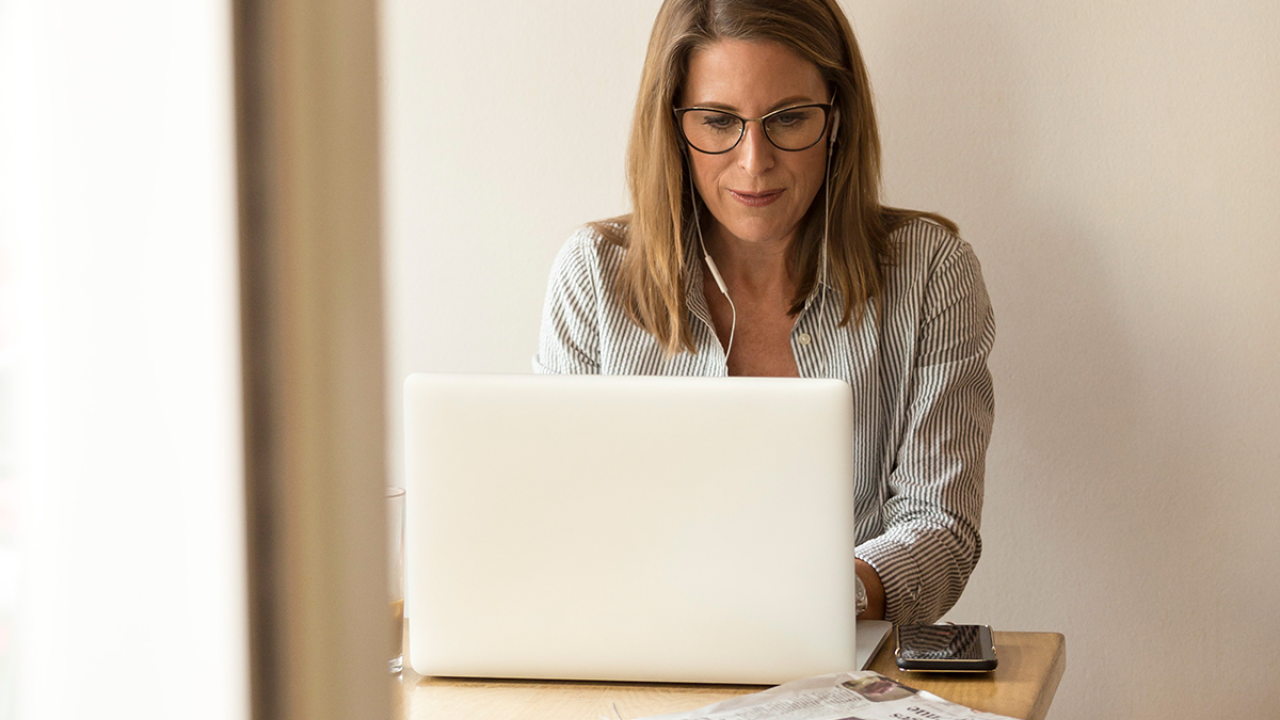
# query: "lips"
{"type": "Point", "coordinates": [756, 199]}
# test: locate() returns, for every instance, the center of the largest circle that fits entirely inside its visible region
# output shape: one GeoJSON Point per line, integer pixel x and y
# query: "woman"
{"type": "Point", "coordinates": [757, 245]}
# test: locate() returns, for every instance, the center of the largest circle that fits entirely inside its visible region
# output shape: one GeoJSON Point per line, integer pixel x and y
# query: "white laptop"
{"type": "Point", "coordinates": [630, 528]}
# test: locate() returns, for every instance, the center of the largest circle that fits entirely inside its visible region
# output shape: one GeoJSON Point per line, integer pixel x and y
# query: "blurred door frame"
{"type": "Point", "coordinates": [306, 87]}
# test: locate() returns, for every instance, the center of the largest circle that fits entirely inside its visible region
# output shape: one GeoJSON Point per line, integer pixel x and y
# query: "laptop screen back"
{"type": "Point", "coordinates": [627, 528]}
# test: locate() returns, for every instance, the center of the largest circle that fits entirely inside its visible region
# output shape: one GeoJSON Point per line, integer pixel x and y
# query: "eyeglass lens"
{"type": "Point", "coordinates": [713, 131]}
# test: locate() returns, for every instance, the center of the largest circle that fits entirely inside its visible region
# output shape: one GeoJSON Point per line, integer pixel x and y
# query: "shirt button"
{"type": "Point", "coordinates": [805, 339]}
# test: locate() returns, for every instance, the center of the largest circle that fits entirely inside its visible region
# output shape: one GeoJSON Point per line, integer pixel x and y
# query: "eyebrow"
{"type": "Point", "coordinates": [785, 102]}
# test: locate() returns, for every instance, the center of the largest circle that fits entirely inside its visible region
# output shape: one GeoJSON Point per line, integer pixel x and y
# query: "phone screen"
{"type": "Point", "coordinates": [944, 642]}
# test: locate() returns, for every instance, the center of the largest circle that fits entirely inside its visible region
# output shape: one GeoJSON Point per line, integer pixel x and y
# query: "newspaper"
{"type": "Point", "coordinates": [839, 696]}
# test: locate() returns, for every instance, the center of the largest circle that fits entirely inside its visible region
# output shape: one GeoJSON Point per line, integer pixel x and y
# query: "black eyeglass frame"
{"type": "Point", "coordinates": [742, 125]}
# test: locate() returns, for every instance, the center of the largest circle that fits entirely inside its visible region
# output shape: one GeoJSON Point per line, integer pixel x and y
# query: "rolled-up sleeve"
{"type": "Point", "coordinates": [933, 502]}
{"type": "Point", "coordinates": [569, 341]}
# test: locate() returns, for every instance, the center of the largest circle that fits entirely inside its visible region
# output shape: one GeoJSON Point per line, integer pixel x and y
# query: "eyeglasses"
{"type": "Point", "coordinates": [715, 132]}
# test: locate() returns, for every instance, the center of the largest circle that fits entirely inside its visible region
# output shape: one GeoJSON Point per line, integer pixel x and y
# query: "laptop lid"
{"type": "Point", "coordinates": [629, 528]}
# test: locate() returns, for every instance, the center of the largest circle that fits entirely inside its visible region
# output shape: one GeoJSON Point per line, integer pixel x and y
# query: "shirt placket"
{"type": "Point", "coordinates": [813, 341]}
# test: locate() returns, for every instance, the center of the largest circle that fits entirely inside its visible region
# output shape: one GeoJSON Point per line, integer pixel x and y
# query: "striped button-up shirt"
{"type": "Point", "coordinates": [917, 366]}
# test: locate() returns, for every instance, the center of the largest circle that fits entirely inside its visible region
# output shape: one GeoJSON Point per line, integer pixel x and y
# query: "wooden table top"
{"type": "Point", "coordinates": [1031, 665]}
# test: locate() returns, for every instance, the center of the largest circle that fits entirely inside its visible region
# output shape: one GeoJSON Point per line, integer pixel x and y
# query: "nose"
{"type": "Point", "coordinates": [755, 152]}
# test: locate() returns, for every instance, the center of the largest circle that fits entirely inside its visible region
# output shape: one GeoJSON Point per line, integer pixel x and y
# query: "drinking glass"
{"type": "Point", "coordinates": [395, 575]}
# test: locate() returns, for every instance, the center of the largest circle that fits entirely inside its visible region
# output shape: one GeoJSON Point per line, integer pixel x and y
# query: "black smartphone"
{"type": "Point", "coordinates": [946, 648]}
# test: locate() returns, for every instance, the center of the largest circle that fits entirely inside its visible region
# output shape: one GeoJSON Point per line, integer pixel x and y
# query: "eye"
{"type": "Point", "coordinates": [718, 121]}
{"type": "Point", "coordinates": [792, 118]}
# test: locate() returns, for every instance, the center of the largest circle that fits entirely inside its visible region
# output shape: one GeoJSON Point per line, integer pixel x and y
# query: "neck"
{"type": "Point", "coordinates": [751, 267]}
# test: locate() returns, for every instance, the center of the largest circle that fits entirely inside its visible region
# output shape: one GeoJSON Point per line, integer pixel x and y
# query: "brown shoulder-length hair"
{"type": "Point", "coordinates": [658, 231]}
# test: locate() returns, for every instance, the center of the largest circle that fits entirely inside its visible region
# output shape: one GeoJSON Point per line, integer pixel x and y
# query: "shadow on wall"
{"type": "Point", "coordinates": [1100, 491]}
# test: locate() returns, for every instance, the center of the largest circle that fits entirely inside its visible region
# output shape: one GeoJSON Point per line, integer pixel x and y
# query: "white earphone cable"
{"type": "Point", "coordinates": [824, 257]}
{"type": "Point", "coordinates": [711, 265]}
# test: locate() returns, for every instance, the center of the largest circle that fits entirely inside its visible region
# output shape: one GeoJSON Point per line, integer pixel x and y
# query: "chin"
{"type": "Point", "coordinates": [758, 232]}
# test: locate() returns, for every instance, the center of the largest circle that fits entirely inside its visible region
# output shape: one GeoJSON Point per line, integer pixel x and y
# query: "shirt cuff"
{"type": "Point", "coordinates": [899, 573]}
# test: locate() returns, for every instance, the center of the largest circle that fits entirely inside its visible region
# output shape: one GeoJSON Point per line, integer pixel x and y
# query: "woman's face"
{"type": "Point", "coordinates": [756, 192]}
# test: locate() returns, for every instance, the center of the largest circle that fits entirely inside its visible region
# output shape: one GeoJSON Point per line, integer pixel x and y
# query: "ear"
{"type": "Point", "coordinates": [835, 130]}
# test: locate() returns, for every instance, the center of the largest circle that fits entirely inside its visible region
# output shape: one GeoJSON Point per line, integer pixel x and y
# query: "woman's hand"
{"type": "Point", "coordinates": [875, 591]}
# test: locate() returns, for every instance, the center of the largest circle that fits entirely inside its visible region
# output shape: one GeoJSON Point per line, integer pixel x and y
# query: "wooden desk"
{"type": "Point", "coordinates": [1031, 664]}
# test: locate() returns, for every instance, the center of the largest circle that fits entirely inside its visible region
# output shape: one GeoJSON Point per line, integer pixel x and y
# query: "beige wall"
{"type": "Point", "coordinates": [1116, 166]}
